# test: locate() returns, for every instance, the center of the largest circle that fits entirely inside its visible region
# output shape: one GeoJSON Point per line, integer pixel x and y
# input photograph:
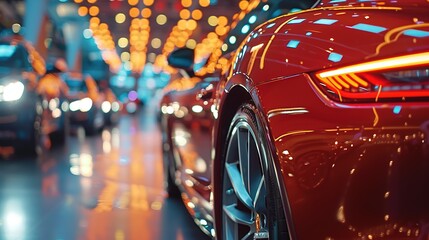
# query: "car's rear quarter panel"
{"type": "Point", "coordinates": [331, 37]}
{"type": "Point", "coordinates": [350, 171]}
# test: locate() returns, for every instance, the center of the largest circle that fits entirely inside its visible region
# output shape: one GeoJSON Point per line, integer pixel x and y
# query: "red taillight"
{"type": "Point", "coordinates": [399, 78]}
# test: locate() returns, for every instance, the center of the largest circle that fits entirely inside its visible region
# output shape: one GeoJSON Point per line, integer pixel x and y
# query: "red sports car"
{"type": "Point", "coordinates": [319, 129]}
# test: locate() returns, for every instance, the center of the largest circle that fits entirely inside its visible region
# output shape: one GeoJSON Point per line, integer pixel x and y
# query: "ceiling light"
{"type": "Point", "coordinates": [94, 10]}
{"type": "Point", "coordinates": [120, 18]}
{"type": "Point", "coordinates": [122, 42]}
{"type": "Point", "coordinates": [146, 12]}
{"type": "Point", "coordinates": [213, 21]}
{"type": "Point", "coordinates": [197, 14]}
{"type": "Point", "coordinates": [161, 19]}
{"type": "Point", "coordinates": [82, 11]}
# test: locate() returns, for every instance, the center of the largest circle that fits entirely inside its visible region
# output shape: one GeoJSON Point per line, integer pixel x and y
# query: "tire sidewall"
{"type": "Point", "coordinates": [249, 114]}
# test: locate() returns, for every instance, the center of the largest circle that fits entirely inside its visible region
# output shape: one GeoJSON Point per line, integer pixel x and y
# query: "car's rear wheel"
{"type": "Point", "coordinates": [250, 200]}
{"type": "Point", "coordinates": [58, 138]}
{"type": "Point", "coordinates": [95, 123]}
{"type": "Point", "coordinates": [33, 144]}
{"type": "Point", "coordinates": [169, 184]}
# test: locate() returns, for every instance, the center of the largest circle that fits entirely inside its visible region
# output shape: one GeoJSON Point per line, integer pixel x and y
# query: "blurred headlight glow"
{"type": "Point", "coordinates": [65, 106]}
{"type": "Point", "coordinates": [106, 106]}
{"type": "Point", "coordinates": [197, 108]}
{"type": "Point", "coordinates": [53, 104]}
{"type": "Point", "coordinates": [85, 104]}
{"type": "Point", "coordinates": [115, 106]}
{"type": "Point", "coordinates": [56, 113]}
{"type": "Point", "coordinates": [164, 109]}
{"type": "Point", "coordinates": [12, 91]}
{"type": "Point", "coordinates": [74, 106]}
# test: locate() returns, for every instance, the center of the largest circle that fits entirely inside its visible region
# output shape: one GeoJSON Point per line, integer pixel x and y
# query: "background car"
{"type": "Point", "coordinates": [29, 113]}
{"type": "Point", "coordinates": [55, 102]}
{"type": "Point", "coordinates": [111, 106]}
{"type": "Point", "coordinates": [85, 102]}
{"type": "Point", "coordinates": [320, 128]}
{"type": "Point", "coordinates": [124, 86]}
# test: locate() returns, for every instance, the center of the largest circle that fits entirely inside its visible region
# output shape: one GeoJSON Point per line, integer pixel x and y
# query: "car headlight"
{"type": "Point", "coordinates": [12, 91]}
{"type": "Point", "coordinates": [84, 105]}
{"type": "Point", "coordinates": [106, 106]}
{"type": "Point", "coordinates": [74, 106]}
{"type": "Point", "coordinates": [115, 106]}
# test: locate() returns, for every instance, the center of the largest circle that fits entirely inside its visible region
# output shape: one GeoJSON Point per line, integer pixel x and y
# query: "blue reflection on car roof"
{"type": "Point", "coordinates": [368, 28]}
{"type": "Point", "coordinates": [416, 33]}
{"type": "Point", "coordinates": [325, 21]}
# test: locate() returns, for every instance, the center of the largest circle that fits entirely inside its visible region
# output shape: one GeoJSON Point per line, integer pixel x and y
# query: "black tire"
{"type": "Point", "coordinates": [91, 129]}
{"type": "Point", "coordinates": [95, 123]}
{"type": "Point", "coordinates": [171, 188]}
{"type": "Point", "coordinates": [169, 184]}
{"type": "Point", "coordinates": [59, 137]}
{"type": "Point", "coordinates": [29, 147]}
{"type": "Point", "coordinates": [251, 202]}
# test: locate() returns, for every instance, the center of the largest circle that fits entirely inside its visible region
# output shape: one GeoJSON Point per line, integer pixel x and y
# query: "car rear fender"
{"type": "Point", "coordinates": [238, 90]}
{"type": "Point", "coordinates": [331, 37]}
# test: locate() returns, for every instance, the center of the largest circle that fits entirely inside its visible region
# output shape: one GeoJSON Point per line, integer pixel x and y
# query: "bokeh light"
{"type": "Point", "coordinates": [122, 42]}
{"type": "Point", "coordinates": [185, 14]}
{"type": "Point", "coordinates": [161, 19]}
{"type": "Point", "coordinates": [133, 2]}
{"type": "Point", "coordinates": [148, 3]}
{"type": "Point", "coordinates": [204, 3]}
{"type": "Point", "coordinates": [146, 12]}
{"type": "Point", "coordinates": [197, 14]}
{"type": "Point", "coordinates": [134, 12]}
{"type": "Point", "coordinates": [120, 18]}
{"type": "Point", "coordinates": [82, 11]}
{"type": "Point", "coordinates": [156, 43]}
{"type": "Point", "coordinates": [94, 10]}
{"type": "Point", "coordinates": [212, 21]}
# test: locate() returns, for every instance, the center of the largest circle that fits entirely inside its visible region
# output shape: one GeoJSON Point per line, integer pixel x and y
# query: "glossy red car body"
{"type": "Point", "coordinates": [349, 163]}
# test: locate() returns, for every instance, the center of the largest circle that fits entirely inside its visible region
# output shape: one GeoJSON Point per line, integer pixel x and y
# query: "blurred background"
{"type": "Point", "coordinates": [124, 42]}
{"type": "Point", "coordinates": [80, 85]}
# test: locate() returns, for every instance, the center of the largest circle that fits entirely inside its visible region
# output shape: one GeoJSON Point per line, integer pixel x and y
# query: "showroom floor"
{"type": "Point", "coordinates": [105, 186]}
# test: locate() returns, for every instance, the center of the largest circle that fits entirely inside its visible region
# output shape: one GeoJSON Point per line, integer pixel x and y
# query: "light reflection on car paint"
{"type": "Point", "coordinates": [330, 151]}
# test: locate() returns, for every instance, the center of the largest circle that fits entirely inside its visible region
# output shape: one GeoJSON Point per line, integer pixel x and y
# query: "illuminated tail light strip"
{"type": "Point", "coordinates": [401, 78]}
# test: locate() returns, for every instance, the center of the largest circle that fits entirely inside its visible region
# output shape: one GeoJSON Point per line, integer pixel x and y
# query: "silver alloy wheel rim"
{"type": "Point", "coordinates": [244, 190]}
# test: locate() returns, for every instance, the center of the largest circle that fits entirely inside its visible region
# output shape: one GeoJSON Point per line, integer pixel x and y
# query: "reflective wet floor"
{"type": "Point", "coordinates": [105, 186]}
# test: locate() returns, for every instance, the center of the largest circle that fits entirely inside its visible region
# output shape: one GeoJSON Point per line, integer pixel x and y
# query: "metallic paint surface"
{"type": "Point", "coordinates": [347, 171]}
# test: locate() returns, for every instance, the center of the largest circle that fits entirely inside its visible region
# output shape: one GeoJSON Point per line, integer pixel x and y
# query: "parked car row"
{"type": "Point", "coordinates": [89, 107]}
{"type": "Point", "coordinates": [39, 104]}
{"type": "Point", "coordinates": [318, 129]}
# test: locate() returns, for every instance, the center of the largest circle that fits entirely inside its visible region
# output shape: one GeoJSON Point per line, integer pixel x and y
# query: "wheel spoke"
{"type": "Point", "coordinates": [230, 228]}
{"type": "Point", "coordinates": [237, 184]}
{"type": "Point", "coordinates": [238, 216]}
{"type": "Point", "coordinates": [249, 236]}
{"type": "Point", "coordinates": [259, 199]}
{"type": "Point", "coordinates": [245, 191]}
{"type": "Point", "coordinates": [243, 150]}
{"type": "Point", "coordinates": [254, 169]}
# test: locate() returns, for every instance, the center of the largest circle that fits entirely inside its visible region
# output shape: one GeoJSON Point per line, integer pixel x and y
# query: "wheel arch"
{"type": "Point", "coordinates": [236, 95]}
